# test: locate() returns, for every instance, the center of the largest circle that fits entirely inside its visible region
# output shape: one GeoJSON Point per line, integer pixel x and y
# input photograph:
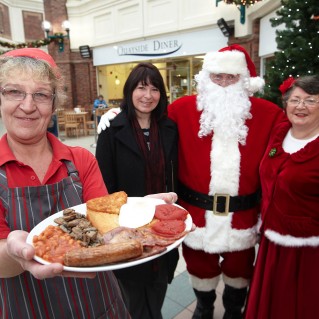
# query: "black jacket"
{"type": "Point", "coordinates": [121, 162]}
{"type": "Point", "coordinates": [122, 166]}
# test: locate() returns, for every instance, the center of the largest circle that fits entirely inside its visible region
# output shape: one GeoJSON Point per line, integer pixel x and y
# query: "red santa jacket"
{"type": "Point", "coordinates": [234, 166]}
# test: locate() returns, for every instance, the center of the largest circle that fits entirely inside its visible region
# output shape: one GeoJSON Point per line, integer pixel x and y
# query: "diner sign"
{"type": "Point", "coordinates": [195, 42]}
{"type": "Point", "coordinates": [151, 48]}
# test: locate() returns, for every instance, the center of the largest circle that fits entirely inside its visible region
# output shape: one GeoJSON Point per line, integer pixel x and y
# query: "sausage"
{"type": "Point", "coordinates": [104, 254]}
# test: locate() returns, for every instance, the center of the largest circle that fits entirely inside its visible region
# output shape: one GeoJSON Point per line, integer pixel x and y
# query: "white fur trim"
{"type": "Point", "coordinates": [259, 224]}
{"type": "Point", "coordinates": [238, 283]}
{"type": "Point", "coordinates": [204, 284]}
{"type": "Point", "coordinates": [230, 62]}
{"type": "Point", "coordinates": [256, 84]}
{"type": "Point", "coordinates": [225, 165]}
{"type": "Point", "coordinates": [291, 241]}
{"type": "Point", "coordinates": [218, 236]}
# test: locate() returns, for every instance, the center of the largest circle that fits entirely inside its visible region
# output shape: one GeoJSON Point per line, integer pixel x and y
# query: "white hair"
{"type": "Point", "coordinates": [225, 109]}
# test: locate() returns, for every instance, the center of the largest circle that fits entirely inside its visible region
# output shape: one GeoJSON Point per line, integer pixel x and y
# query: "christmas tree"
{"type": "Point", "coordinates": [297, 43]}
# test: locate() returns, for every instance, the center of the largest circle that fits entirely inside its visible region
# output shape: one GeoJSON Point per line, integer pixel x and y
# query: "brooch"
{"type": "Point", "coordinates": [272, 152]}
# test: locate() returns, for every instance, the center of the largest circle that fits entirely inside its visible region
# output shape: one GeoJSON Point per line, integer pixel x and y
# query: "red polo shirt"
{"type": "Point", "coordinates": [21, 175]}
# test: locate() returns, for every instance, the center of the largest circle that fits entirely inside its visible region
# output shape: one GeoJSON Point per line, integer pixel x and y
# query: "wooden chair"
{"type": "Point", "coordinates": [61, 119]}
{"type": "Point", "coordinates": [90, 127]}
{"type": "Point", "coordinates": [71, 125]}
{"type": "Point", "coordinates": [89, 123]}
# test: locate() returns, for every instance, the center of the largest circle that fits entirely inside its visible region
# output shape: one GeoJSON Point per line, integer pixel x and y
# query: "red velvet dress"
{"type": "Point", "coordinates": [286, 277]}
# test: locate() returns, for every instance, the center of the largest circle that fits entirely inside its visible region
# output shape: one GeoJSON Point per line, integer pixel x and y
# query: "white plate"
{"type": "Point", "coordinates": [82, 210]}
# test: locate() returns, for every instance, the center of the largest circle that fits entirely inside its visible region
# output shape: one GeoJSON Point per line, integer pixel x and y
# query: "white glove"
{"type": "Point", "coordinates": [106, 118]}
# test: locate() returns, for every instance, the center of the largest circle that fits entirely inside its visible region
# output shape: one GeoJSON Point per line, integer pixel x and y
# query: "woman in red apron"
{"type": "Point", "coordinates": [40, 176]}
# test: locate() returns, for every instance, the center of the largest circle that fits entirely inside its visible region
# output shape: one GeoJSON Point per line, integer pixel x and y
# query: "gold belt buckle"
{"type": "Point", "coordinates": [227, 199]}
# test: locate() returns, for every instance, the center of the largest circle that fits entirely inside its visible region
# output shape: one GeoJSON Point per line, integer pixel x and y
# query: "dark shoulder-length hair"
{"type": "Point", "coordinates": [309, 84]}
{"type": "Point", "coordinates": [147, 74]}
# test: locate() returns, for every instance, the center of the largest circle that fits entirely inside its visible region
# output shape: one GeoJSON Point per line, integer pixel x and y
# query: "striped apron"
{"type": "Point", "coordinates": [24, 296]}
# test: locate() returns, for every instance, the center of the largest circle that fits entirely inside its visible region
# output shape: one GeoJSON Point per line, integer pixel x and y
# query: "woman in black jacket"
{"type": "Point", "coordinates": [138, 154]}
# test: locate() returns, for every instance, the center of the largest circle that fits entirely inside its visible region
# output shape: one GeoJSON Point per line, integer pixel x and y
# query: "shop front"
{"type": "Point", "coordinates": [178, 57]}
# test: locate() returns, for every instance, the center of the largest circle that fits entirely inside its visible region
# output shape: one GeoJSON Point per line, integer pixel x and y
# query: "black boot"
{"type": "Point", "coordinates": [234, 301]}
{"type": "Point", "coordinates": [205, 304]}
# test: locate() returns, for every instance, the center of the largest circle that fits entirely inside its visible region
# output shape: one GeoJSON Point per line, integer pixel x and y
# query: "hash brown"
{"type": "Point", "coordinates": [110, 204]}
{"type": "Point", "coordinates": [103, 222]}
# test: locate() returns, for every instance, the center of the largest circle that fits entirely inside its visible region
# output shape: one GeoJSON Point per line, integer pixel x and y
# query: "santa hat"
{"type": "Point", "coordinates": [234, 59]}
{"type": "Point", "coordinates": [33, 53]}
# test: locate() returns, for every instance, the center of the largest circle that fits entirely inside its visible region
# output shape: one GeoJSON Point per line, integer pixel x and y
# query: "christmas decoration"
{"type": "Point", "coordinates": [33, 44]}
{"type": "Point", "coordinates": [241, 4]}
{"type": "Point", "coordinates": [272, 152]}
{"type": "Point", "coordinates": [297, 44]}
{"type": "Point", "coordinates": [246, 3]}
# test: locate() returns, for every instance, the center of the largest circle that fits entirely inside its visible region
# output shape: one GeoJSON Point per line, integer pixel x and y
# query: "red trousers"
{"type": "Point", "coordinates": [233, 264]}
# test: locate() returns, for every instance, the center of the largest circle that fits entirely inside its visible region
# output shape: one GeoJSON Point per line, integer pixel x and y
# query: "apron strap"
{"type": "Point", "coordinates": [71, 168]}
{"type": "Point", "coordinates": [3, 186]}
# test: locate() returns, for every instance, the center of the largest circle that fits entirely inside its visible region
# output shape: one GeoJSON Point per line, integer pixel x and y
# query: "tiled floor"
{"type": "Point", "coordinates": [180, 299]}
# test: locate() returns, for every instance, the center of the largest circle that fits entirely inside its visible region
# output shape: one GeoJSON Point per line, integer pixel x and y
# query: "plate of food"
{"type": "Point", "coordinates": [109, 233]}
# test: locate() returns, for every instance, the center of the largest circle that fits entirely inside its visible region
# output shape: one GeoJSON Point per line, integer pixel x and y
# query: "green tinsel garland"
{"type": "Point", "coordinates": [33, 44]}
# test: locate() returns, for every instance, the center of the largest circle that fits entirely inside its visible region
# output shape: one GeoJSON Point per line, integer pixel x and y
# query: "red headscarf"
{"type": "Point", "coordinates": [34, 53]}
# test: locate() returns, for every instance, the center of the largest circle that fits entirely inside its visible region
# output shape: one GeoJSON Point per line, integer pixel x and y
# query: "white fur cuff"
{"type": "Point", "coordinates": [236, 282]}
{"type": "Point", "coordinates": [204, 284]}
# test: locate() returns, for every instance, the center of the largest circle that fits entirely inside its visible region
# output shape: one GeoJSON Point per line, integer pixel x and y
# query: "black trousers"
{"type": "Point", "coordinates": [143, 300]}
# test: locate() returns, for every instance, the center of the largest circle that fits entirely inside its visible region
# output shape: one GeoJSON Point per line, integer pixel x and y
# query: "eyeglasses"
{"type": "Point", "coordinates": [44, 97]}
{"type": "Point", "coordinates": [306, 102]}
{"type": "Point", "coordinates": [224, 78]}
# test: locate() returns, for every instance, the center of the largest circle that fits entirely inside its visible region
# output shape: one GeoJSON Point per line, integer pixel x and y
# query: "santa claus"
{"type": "Point", "coordinates": [223, 133]}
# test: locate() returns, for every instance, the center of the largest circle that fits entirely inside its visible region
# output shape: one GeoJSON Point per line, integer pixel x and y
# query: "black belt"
{"type": "Point", "coordinates": [220, 204]}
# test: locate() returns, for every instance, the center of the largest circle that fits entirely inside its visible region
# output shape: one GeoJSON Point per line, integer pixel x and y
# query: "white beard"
{"type": "Point", "coordinates": [225, 109]}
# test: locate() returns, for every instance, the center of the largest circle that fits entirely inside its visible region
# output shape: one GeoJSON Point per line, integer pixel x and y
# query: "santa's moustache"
{"type": "Point", "coordinates": [225, 109]}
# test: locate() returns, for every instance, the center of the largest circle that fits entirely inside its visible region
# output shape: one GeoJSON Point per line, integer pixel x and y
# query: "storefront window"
{"type": "Point", "coordinates": [178, 75]}
{"type": "Point", "coordinates": [179, 82]}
